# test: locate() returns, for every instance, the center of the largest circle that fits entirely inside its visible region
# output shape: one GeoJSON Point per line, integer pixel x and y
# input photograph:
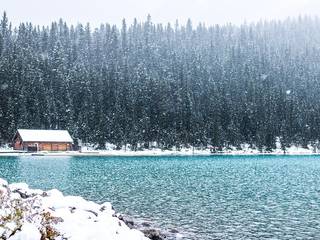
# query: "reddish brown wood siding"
{"type": "Point", "coordinates": [45, 147]}
{"type": "Point", "coordinates": [54, 146]}
{"type": "Point", "coordinates": [41, 146]}
{"type": "Point", "coordinates": [17, 145]}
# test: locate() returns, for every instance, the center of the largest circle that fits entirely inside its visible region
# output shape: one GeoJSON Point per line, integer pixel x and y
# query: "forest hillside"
{"type": "Point", "coordinates": [176, 85]}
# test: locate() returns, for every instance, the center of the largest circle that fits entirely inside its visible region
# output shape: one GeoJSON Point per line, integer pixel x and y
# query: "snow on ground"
{"type": "Point", "coordinates": [27, 214]}
{"type": "Point", "coordinates": [245, 149]}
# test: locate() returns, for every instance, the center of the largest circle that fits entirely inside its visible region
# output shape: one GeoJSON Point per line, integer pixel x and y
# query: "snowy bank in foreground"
{"type": "Point", "coordinates": [27, 214]}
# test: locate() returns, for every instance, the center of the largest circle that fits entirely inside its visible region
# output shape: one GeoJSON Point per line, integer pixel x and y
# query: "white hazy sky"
{"type": "Point", "coordinates": [43, 12]}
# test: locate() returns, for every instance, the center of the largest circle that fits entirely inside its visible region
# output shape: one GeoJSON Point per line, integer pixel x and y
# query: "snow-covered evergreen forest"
{"type": "Point", "coordinates": [175, 84]}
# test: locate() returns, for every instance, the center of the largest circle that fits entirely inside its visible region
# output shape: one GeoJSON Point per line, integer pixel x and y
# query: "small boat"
{"type": "Point", "coordinates": [37, 154]}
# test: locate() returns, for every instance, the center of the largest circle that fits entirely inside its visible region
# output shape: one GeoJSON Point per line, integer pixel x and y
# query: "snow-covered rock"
{"type": "Point", "coordinates": [27, 214]}
{"type": "Point", "coordinates": [28, 232]}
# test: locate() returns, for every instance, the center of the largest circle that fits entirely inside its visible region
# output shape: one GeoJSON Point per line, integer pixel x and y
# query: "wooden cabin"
{"type": "Point", "coordinates": [42, 140]}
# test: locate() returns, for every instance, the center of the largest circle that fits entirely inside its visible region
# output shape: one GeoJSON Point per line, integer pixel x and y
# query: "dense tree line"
{"type": "Point", "coordinates": [174, 85]}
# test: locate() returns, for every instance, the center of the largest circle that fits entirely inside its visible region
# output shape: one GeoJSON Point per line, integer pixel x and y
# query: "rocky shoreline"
{"type": "Point", "coordinates": [150, 229]}
{"type": "Point", "coordinates": [28, 214]}
{"type": "Point", "coordinates": [145, 227]}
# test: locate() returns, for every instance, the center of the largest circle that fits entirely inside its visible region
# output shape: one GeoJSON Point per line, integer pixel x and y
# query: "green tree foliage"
{"type": "Point", "coordinates": [182, 85]}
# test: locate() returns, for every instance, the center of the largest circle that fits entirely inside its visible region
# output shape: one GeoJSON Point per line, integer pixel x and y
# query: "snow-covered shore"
{"type": "Point", "coordinates": [27, 214]}
{"type": "Point", "coordinates": [293, 150]}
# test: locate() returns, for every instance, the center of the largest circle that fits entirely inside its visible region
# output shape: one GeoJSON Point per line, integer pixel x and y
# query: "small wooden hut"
{"type": "Point", "coordinates": [42, 140]}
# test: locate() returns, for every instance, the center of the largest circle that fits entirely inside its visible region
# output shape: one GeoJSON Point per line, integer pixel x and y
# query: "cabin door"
{"type": "Point", "coordinates": [32, 148]}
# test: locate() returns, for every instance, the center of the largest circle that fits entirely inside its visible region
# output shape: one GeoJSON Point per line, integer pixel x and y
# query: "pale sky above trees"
{"type": "Point", "coordinates": [43, 12]}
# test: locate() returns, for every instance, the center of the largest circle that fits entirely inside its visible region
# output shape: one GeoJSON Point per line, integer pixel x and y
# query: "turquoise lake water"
{"type": "Point", "coordinates": [214, 197]}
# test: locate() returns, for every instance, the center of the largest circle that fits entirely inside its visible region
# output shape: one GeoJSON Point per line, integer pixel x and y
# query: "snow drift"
{"type": "Point", "coordinates": [27, 214]}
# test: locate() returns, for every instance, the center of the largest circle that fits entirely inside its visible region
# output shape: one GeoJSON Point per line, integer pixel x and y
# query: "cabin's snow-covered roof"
{"type": "Point", "coordinates": [29, 135]}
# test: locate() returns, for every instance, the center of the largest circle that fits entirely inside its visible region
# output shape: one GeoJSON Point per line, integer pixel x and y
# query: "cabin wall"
{"type": "Point", "coordinates": [45, 147]}
{"type": "Point", "coordinates": [41, 146]}
{"type": "Point", "coordinates": [17, 144]}
{"type": "Point", "coordinates": [54, 146]}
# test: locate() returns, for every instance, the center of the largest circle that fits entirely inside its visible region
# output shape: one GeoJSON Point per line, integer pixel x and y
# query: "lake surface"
{"type": "Point", "coordinates": [214, 197]}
